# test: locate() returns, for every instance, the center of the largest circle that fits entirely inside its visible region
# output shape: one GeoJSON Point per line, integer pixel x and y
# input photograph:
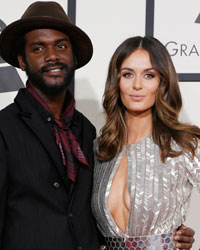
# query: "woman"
{"type": "Point", "coordinates": [146, 160]}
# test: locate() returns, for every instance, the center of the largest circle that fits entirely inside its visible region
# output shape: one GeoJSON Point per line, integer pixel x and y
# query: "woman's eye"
{"type": "Point", "coordinates": [149, 76]}
{"type": "Point", "coordinates": [127, 75]}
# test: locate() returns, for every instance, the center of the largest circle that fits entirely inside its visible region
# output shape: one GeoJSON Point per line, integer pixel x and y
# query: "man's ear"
{"type": "Point", "coordinates": [75, 61]}
{"type": "Point", "coordinates": [21, 62]}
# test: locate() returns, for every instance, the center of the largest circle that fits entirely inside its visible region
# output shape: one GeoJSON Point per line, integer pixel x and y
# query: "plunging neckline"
{"type": "Point", "coordinates": [126, 149]}
{"type": "Point", "coordinates": [114, 225]}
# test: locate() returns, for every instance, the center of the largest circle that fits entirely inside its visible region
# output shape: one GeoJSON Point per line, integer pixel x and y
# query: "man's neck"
{"type": "Point", "coordinates": [55, 103]}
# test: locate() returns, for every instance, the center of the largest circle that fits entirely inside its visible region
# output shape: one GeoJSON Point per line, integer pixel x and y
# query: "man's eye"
{"type": "Point", "coordinates": [37, 49]}
{"type": "Point", "coordinates": [61, 46]}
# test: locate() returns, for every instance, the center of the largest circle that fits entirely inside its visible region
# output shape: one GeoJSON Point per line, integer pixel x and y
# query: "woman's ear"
{"type": "Point", "coordinates": [21, 62]}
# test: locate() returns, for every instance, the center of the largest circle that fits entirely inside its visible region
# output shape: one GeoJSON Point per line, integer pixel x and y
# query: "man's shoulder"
{"type": "Point", "coordinates": [82, 128]}
{"type": "Point", "coordinates": [8, 111]}
{"type": "Point", "coordinates": [8, 118]}
{"type": "Point", "coordinates": [13, 107]}
{"type": "Point", "coordinates": [82, 119]}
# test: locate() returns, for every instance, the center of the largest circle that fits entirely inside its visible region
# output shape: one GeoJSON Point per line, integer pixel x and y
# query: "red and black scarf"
{"type": "Point", "coordinates": [68, 145]}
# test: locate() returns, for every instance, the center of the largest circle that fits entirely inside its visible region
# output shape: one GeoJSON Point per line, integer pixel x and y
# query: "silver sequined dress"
{"type": "Point", "coordinates": [159, 193]}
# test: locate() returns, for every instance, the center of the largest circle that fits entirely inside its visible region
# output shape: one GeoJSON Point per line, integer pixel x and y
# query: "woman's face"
{"type": "Point", "coordinates": [138, 84]}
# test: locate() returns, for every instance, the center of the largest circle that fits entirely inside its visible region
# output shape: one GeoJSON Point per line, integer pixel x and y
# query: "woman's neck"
{"type": "Point", "coordinates": [139, 126]}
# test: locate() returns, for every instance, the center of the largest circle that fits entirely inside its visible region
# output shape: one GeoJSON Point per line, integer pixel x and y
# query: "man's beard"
{"type": "Point", "coordinates": [37, 80]}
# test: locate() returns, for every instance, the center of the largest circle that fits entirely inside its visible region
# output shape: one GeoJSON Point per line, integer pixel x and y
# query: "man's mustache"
{"type": "Point", "coordinates": [56, 64]}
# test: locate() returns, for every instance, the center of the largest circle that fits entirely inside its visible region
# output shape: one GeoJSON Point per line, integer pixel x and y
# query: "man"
{"type": "Point", "coordinates": [46, 158]}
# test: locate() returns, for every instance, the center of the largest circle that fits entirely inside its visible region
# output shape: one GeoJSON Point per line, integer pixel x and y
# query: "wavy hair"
{"type": "Point", "coordinates": [168, 103]}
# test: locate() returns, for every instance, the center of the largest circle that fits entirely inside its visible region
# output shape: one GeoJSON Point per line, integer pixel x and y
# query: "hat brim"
{"type": "Point", "coordinates": [79, 39]}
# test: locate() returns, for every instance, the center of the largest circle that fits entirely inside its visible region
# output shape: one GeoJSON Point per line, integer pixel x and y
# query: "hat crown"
{"type": "Point", "coordinates": [44, 15]}
{"type": "Point", "coordinates": [45, 9]}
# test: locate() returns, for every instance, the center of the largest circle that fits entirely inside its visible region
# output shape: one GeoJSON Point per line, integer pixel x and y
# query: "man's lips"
{"type": "Point", "coordinates": [53, 71]}
{"type": "Point", "coordinates": [53, 68]}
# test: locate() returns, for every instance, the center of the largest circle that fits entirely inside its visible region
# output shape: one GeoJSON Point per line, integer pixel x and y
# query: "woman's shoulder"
{"type": "Point", "coordinates": [197, 151]}
{"type": "Point", "coordinates": [198, 143]}
{"type": "Point", "coordinates": [95, 145]}
{"type": "Point", "coordinates": [192, 165]}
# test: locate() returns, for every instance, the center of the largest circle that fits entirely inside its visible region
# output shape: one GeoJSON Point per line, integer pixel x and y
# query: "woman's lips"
{"type": "Point", "coordinates": [137, 98]}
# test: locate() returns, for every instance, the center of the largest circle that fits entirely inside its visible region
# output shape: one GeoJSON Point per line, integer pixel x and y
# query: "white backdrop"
{"type": "Point", "coordinates": [108, 23]}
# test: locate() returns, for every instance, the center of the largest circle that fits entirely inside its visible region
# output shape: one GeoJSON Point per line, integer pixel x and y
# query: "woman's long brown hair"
{"type": "Point", "coordinates": [166, 126]}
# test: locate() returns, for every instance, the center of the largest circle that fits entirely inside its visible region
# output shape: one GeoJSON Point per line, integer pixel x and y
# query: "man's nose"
{"type": "Point", "coordinates": [51, 54]}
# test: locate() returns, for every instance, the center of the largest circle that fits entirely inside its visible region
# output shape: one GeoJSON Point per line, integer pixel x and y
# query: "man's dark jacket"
{"type": "Point", "coordinates": [40, 209]}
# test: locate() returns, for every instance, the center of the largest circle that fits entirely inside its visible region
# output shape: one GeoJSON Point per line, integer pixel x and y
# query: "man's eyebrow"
{"type": "Point", "coordinates": [62, 40]}
{"type": "Point", "coordinates": [36, 43]}
{"type": "Point", "coordinates": [57, 41]}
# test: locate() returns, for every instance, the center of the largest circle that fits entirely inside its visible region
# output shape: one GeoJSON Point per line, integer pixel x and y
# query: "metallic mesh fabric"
{"type": "Point", "coordinates": [151, 242]}
{"type": "Point", "coordinates": [159, 192]}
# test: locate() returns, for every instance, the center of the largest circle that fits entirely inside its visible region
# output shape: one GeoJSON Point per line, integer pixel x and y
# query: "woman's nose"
{"type": "Point", "coordinates": [137, 84]}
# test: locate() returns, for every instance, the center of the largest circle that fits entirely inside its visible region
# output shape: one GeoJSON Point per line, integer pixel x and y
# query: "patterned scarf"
{"type": "Point", "coordinates": [68, 145]}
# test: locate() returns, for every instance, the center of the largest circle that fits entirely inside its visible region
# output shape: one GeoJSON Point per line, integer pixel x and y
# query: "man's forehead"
{"type": "Point", "coordinates": [46, 34]}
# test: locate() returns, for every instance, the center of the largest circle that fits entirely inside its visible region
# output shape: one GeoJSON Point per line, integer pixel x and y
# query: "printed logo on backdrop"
{"type": "Point", "coordinates": [175, 49]}
{"type": "Point", "coordinates": [9, 77]}
{"type": "Point", "coordinates": [198, 19]}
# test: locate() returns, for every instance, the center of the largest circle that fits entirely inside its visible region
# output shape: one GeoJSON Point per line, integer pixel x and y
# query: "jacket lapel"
{"type": "Point", "coordinates": [32, 119]}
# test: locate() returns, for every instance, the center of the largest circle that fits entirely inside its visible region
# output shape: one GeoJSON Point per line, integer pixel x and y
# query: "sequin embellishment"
{"type": "Point", "coordinates": [151, 242]}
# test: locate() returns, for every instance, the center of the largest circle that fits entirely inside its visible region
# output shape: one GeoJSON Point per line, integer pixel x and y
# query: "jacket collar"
{"type": "Point", "coordinates": [41, 124]}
